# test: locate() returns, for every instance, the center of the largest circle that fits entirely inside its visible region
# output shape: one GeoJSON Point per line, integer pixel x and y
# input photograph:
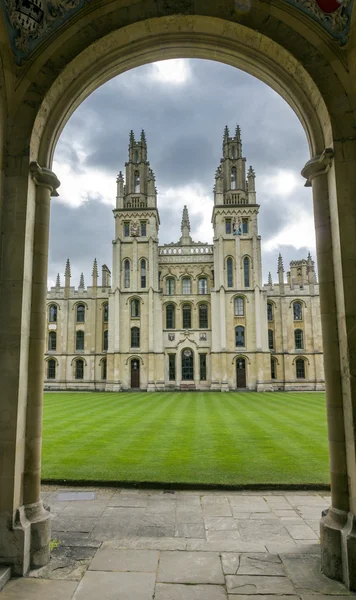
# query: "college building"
{"type": "Point", "coordinates": [186, 315]}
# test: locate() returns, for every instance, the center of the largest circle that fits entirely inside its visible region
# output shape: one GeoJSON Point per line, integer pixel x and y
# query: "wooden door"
{"type": "Point", "coordinates": [241, 373]}
{"type": "Point", "coordinates": [135, 373]}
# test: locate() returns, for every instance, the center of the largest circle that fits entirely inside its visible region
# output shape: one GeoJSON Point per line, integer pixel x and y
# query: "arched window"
{"type": "Point", "coordinates": [300, 368]}
{"type": "Point", "coordinates": [135, 308]}
{"type": "Point", "coordinates": [135, 337]}
{"type": "Point", "coordinates": [143, 273]}
{"type": "Point", "coordinates": [273, 368]}
{"type": "Point", "coordinates": [186, 285]}
{"type": "Point", "coordinates": [233, 178]}
{"type": "Point", "coordinates": [240, 336]}
{"type": "Point", "coordinates": [229, 267]}
{"type": "Point", "coordinates": [105, 340]}
{"type": "Point", "coordinates": [298, 339]}
{"type": "Point", "coordinates": [203, 285]}
{"type": "Point", "coordinates": [170, 286]}
{"type": "Point", "coordinates": [239, 307]}
{"type": "Point", "coordinates": [79, 369]}
{"type": "Point", "coordinates": [187, 365]}
{"type": "Point", "coordinates": [233, 152]}
{"type": "Point", "coordinates": [79, 341]}
{"type": "Point", "coordinates": [106, 313]}
{"type": "Point", "coordinates": [170, 316]}
{"type": "Point", "coordinates": [136, 156]}
{"type": "Point", "coordinates": [127, 273]}
{"type": "Point", "coordinates": [203, 316]}
{"type": "Point", "coordinates": [52, 340]}
{"type": "Point", "coordinates": [137, 186]}
{"type": "Point", "coordinates": [52, 313]}
{"type": "Point", "coordinates": [187, 316]}
{"type": "Point", "coordinates": [103, 368]}
{"type": "Point", "coordinates": [269, 312]}
{"type": "Point", "coordinates": [270, 339]}
{"type": "Point", "coordinates": [51, 369]}
{"type": "Point", "coordinates": [297, 311]}
{"type": "Point", "coordinates": [246, 272]}
{"type": "Point", "coordinates": [80, 313]}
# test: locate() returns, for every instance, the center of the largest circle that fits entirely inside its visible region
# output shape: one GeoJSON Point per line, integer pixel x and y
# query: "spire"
{"type": "Point", "coordinates": [185, 219]}
{"type": "Point", "coordinates": [67, 275]}
{"type": "Point", "coordinates": [67, 272]}
{"type": "Point", "coordinates": [226, 134]}
{"type": "Point", "coordinates": [81, 281]}
{"type": "Point", "coordinates": [270, 282]}
{"type": "Point", "coordinates": [185, 237]}
{"type": "Point", "coordinates": [58, 281]}
{"type": "Point", "coordinates": [238, 133]}
{"type": "Point", "coordinates": [132, 138]}
{"type": "Point", "coordinates": [143, 138]}
{"type": "Point", "coordinates": [280, 263]}
{"type": "Point", "coordinates": [95, 272]}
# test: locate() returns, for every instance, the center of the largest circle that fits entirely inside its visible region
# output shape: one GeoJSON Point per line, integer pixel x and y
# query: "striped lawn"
{"type": "Point", "coordinates": [203, 438]}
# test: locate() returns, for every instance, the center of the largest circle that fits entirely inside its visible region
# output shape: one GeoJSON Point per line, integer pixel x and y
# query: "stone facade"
{"type": "Point", "coordinates": [186, 315]}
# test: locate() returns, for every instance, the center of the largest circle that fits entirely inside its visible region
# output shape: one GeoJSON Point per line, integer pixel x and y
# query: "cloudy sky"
{"type": "Point", "coordinates": [183, 105]}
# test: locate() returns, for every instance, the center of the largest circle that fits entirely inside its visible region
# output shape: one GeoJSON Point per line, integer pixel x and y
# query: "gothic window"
{"type": "Point", "coordinates": [233, 178]}
{"type": "Point", "coordinates": [187, 365]}
{"type": "Point", "coordinates": [105, 340]}
{"type": "Point", "coordinates": [246, 272]}
{"type": "Point", "coordinates": [203, 285]}
{"type": "Point", "coordinates": [79, 369]}
{"type": "Point", "coordinates": [202, 361]}
{"type": "Point", "coordinates": [80, 313]}
{"type": "Point", "coordinates": [240, 336]}
{"type": "Point", "coordinates": [229, 266]}
{"type": "Point", "coordinates": [270, 339]}
{"type": "Point", "coordinates": [273, 368]}
{"type": "Point", "coordinates": [186, 285]}
{"type": "Point", "coordinates": [244, 225]}
{"type": "Point", "coordinates": [170, 316]}
{"type": "Point", "coordinates": [106, 313]}
{"type": "Point", "coordinates": [103, 368]}
{"type": "Point", "coordinates": [228, 226]}
{"type": "Point", "coordinates": [298, 339]}
{"type": "Point", "coordinates": [137, 186]}
{"type": "Point", "coordinates": [136, 156]}
{"type": "Point", "coordinates": [203, 316]}
{"type": "Point", "coordinates": [135, 337]}
{"type": "Point", "coordinates": [297, 311]}
{"type": "Point", "coordinates": [143, 273]}
{"type": "Point", "coordinates": [187, 316]}
{"type": "Point", "coordinates": [79, 341]}
{"type": "Point", "coordinates": [135, 308]}
{"type": "Point", "coordinates": [52, 313]}
{"type": "Point", "coordinates": [51, 369]}
{"type": "Point", "coordinates": [52, 340]}
{"type": "Point", "coordinates": [300, 368]}
{"type": "Point", "coordinates": [233, 152]}
{"type": "Point", "coordinates": [269, 312]}
{"type": "Point", "coordinates": [239, 307]}
{"type": "Point", "coordinates": [127, 273]}
{"type": "Point", "coordinates": [170, 285]}
{"type": "Point", "coordinates": [143, 228]}
{"type": "Point", "coordinates": [172, 367]}
{"type": "Point", "coordinates": [127, 228]}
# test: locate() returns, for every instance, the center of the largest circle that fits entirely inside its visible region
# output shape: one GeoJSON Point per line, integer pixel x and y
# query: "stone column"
{"type": "Point", "coordinates": [331, 525]}
{"type": "Point", "coordinates": [46, 185]}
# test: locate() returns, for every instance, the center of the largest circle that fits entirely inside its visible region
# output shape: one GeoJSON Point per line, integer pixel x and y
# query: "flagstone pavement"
{"type": "Point", "coordinates": [121, 544]}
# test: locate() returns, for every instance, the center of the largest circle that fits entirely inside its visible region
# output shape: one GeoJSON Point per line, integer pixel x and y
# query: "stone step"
{"type": "Point", "coordinates": [5, 574]}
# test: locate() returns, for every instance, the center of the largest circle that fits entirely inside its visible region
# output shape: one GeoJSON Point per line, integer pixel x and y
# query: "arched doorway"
{"type": "Point", "coordinates": [187, 365]}
{"type": "Point", "coordinates": [240, 373]}
{"type": "Point", "coordinates": [135, 374]}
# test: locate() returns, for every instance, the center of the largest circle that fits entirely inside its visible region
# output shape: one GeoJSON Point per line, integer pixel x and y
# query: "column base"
{"type": "Point", "coordinates": [15, 542]}
{"type": "Point", "coordinates": [331, 540]}
{"type": "Point", "coordinates": [40, 522]}
{"type": "Point", "coordinates": [349, 553]}
{"type": "Point", "coordinates": [224, 387]}
{"type": "Point", "coordinates": [151, 386]}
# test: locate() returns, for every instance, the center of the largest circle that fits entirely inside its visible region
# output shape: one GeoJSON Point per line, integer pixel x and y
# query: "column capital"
{"type": "Point", "coordinates": [44, 177]}
{"type": "Point", "coordinates": [318, 165]}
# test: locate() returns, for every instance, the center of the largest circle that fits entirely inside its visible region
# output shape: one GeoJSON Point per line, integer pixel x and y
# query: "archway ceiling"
{"type": "Point", "coordinates": [31, 22]}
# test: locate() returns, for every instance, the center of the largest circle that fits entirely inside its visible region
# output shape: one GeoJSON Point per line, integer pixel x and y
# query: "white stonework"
{"type": "Point", "coordinates": [186, 315]}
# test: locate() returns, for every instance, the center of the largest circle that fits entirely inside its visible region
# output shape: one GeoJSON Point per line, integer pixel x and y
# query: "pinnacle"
{"type": "Point", "coordinates": [58, 281]}
{"type": "Point", "coordinates": [238, 132]}
{"type": "Point", "coordinates": [251, 172]}
{"type": "Point", "coordinates": [226, 132]}
{"type": "Point", "coordinates": [67, 272]}
{"type": "Point", "coordinates": [280, 263]}
{"type": "Point", "coordinates": [81, 281]}
{"type": "Point", "coordinates": [143, 136]}
{"type": "Point", "coordinates": [185, 218]}
{"type": "Point", "coordinates": [270, 282]}
{"type": "Point", "coordinates": [95, 272]}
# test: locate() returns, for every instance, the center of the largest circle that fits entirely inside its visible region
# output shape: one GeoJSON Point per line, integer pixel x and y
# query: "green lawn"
{"type": "Point", "coordinates": [212, 438]}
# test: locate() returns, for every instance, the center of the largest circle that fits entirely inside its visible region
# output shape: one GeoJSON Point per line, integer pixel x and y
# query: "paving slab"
{"type": "Point", "coordinates": [267, 597]}
{"type": "Point", "coordinates": [189, 514]}
{"type": "Point", "coordinates": [166, 591]}
{"type": "Point", "coordinates": [70, 523]}
{"type": "Point", "coordinates": [220, 523]}
{"type": "Point", "coordinates": [258, 584]}
{"type": "Point", "coordinates": [147, 543]}
{"type": "Point", "coordinates": [261, 564]}
{"type": "Point", "coordinates": [300, 531]}
{"type": "Point", "coordinates": [113, 559]}
{"type": "Point", "coordinates": [190, 567]}
{"type": "Point", "coordinates": [249, 504]}
{"type": "Point", "coordinates": [221, 536]}
{"type": "Point", "coordinates": [268, 531]}
{"type": "Point", "coordinates": [75, 496]}
{"type": "Point", "coordinates": [38, 589]}
{"type": "Point", "coordinates": [225, 546]}
{"type": "Point", "coordinates": [304, 571]}
{"type": "Point", "coordinates": [67, 562]}
{"type": "Point", "coordinates": [98, 585]}
{"type": "Point", "coordinates": [190, 530]}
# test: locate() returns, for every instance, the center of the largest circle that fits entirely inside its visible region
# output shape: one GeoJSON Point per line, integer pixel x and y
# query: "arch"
{"type": "Point", "coordinates": [79, 368]}
{"type": "Point", "coordinates": [186, 316]}
{"type": "Point", "coordinates": [136, 356]}
{"type": "Point", "coordinates": [53, 309]}
{"type": "Point", "coordinates": [240, 336]}
{"type": "Point", "coordinates": [298, 339]}
{"type": "Point", "coordinates": [135, 308]}
{"type": "Point", "coordinates": [170, 316]}
{"type": "Point", "coordinates": [127, 270]}
{"type": "Point", "coordinates": [135, 337]}
{"type": "Point", "coordinates": [79, 340]}
{"type": "Point", "coordinates": [52, 341]}
{"type": "Point", "coordinates": [229, 272]}
{"type": "Point", "coordinates": [187, 360]}
{"type": "Point", "coordinates": [80, 312]}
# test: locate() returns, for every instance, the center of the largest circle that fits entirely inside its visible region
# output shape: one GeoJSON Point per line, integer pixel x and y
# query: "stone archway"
{"type": "Point", "coordinates": [291, 55]}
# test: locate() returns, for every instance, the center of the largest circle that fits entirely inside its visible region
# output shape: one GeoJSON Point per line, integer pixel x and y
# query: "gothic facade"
{"type": "Point", "coordinates": [186, 315]}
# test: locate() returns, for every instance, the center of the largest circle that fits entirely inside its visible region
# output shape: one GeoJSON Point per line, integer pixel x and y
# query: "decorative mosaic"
{"type": "Point", "coordinates": [333, 15]}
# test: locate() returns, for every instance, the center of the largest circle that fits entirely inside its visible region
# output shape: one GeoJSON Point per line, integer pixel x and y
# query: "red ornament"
{"type": "Point", "coordinates": [329, 6]}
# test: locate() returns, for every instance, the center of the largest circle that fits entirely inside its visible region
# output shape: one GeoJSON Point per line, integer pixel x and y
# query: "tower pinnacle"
{"type": "Point", "coordinates": [185, 227]}
{"type": "Point", "coordinates": [58, 281]}
{"type": "Point", "coordinates": [81, 281]}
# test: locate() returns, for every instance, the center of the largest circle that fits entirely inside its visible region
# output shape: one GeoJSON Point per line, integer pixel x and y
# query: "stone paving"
{"type": "Point", "coordinates": [119, 544]}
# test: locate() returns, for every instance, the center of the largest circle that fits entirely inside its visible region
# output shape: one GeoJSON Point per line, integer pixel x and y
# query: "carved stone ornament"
{"type": "Point", "coordinates": [44, 177]}
{"type": "Point", "coordinates": [333, 15]}
{"type": "Point", "coordinates": [29, 21]}
{"type": "Point", "coordinates": [135, 228]}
